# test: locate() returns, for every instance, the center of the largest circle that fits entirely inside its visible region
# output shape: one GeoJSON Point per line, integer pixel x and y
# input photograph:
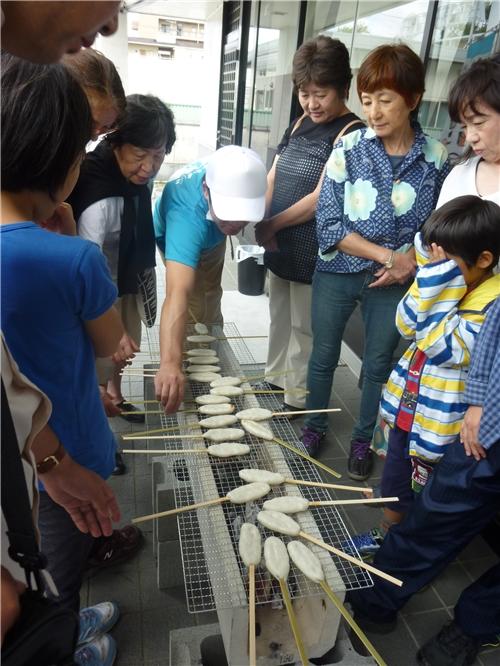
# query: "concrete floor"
{"type": "Point", "coordinates": [149, 614]}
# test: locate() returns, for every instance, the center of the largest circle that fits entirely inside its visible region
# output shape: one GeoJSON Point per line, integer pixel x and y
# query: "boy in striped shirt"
{"type": "Point", "coordinates": [457, 250]}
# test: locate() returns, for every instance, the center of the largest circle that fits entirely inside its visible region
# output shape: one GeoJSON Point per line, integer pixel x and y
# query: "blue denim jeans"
{"type": "Point", "coordinates": [66, 548]}
{"type": "Point", "coordinates": [334, 299]}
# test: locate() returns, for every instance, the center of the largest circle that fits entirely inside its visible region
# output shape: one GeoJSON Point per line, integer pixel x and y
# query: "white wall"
{"type": "Point", "coordinates": [209, 83]}
{"type": "Point", "coordinates": [116, 49]}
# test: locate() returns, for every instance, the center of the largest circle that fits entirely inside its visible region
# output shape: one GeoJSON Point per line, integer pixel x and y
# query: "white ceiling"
{"type": "Point", "coordinates": [201, 10]}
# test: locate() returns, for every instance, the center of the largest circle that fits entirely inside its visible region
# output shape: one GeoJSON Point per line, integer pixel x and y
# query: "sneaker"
{"type": "Point", "coordinates": [311, 439]}
{"type": "Point", "coordinates": [360, 463]}
{"type": "Point", "coordinates": [450, 647]}
{"type": "Point", "coordinates": [119, 547]}
{"type": "Point", "coordinates": [366, 543]}
{"type": "Point", "coordinates": [97, 620]}
{"type": "Point", "coordinates": [131, 418]}
{"type": "Point", "coordinates": [99, 652]}
{"type": "Point", "coordinates": [120, 467]}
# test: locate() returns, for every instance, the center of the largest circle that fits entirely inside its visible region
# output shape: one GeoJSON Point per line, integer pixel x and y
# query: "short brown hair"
{"type": "Point", "coordinates": [479, 83]}
{"type": "Point", "coordinates": [323, 61]}
{"type": "Point", "coordinates": [392, 66]}
{"type": "Point", "coordinates": [96, 73]}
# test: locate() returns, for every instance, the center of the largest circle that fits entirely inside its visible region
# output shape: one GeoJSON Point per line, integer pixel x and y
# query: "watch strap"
{"type": "Point", "coordinates": [49, 462]}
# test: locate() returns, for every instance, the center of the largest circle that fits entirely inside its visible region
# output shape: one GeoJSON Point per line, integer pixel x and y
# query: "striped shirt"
{"type": "Point", "coordinates": [443, 320]}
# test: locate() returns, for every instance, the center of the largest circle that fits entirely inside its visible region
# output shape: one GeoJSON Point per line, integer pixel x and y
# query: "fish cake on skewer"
{"type": "Point", "coordinates": [216, 409]}
{"type": "Point", "coordinates": [210, 399]}
{"type": "Point", "coordinates": [221, 421]}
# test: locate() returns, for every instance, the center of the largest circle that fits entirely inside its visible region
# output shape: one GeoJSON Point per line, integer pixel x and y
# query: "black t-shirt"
{"type": "Point", "coordinates": [302, 157]}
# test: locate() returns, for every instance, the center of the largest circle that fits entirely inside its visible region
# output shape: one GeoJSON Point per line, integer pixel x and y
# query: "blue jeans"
{"type": "Point", "coordinates": [460, 499]}
{"type": "Point", "coordinates": [334, 299]}
{"type": "Point", "coordinates": [66, 548]}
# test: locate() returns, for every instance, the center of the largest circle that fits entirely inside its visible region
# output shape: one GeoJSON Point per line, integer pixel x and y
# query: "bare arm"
{"type": "Point", "coordinates": [169, 380]}
{"type": "Point", "coordinates": [404, 262]}
{"type": "Point", "coordinates": [83, 494]}
{"type": "Point", "coordinates": [105, 332]}
{"type": "Point", "coordinates": [301, 211]}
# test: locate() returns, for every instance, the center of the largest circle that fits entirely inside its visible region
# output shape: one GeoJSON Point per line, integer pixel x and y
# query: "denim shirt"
{"type": "Point", "coordinates": [362, 194]}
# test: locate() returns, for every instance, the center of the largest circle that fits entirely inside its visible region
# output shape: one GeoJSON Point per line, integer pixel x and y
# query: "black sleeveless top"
{"type": "Point", "coordinates": [302, 157]}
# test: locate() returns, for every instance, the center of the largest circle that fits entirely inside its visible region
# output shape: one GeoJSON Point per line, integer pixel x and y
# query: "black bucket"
{"type": "Point", "coordinates": [251, 270]}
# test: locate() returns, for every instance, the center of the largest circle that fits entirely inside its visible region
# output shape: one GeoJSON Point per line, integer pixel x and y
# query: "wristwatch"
{"type": "Point", "coordinates": [49, 462]}
{"type": "Point", "coordinates": [390, 262]}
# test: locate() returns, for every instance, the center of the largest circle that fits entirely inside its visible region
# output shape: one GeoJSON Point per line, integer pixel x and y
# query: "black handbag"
{"type": "Point", "coordinates": [45, 633]}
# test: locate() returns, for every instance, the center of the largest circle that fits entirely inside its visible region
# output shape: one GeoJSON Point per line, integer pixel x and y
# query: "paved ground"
{"type": "Point", "coordinates": [149, 614]}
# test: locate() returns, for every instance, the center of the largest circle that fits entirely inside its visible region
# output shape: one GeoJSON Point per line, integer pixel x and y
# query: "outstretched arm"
{"type": "Point", "coordinates": [170, 380]}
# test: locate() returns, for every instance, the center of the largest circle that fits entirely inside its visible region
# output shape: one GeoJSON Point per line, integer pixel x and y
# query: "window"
{"type": "Point", "coordinates": [165, 53]}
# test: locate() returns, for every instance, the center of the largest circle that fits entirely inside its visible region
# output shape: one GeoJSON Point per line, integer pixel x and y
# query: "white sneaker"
{"type": "Point", "coordinates": [99, 652]}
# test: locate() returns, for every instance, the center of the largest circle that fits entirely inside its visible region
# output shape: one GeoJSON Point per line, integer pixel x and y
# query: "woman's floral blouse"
{"type": "Point", "coordinates": [361, 193]}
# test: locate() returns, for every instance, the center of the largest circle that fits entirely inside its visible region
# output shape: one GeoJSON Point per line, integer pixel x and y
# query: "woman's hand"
{"type": "Point", "coordinates": [404, 268]}
{"type": "Point", "coordinates": [126, 351]}
{"type": "Point", "coordinates": [264, 232]}
{"type": "Point", "coordinates": [61, 221]}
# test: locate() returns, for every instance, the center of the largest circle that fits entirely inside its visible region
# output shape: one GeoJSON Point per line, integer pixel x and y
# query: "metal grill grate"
{"type": "Point", "coordinates": [214, 574]}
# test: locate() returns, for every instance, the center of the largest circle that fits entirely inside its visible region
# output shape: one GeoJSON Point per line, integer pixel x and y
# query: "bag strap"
{"type": "Point", "coordinates": [16, 508]}
{"type": "Point", "coordinates": [346, 127]}
{"type": "Point", "coordinates": [298, 123]}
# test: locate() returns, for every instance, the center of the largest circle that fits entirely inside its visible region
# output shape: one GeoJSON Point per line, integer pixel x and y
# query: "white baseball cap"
{"type": "Point", "coordinates": [237, 180]}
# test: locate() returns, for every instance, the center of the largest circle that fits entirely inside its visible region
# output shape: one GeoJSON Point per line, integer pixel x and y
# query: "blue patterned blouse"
{"type": "Point", "coordinates": [361, 193]}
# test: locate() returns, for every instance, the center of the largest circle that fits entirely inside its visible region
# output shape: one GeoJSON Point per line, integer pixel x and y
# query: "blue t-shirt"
{"type": "Point", "coordinates": [182, 230]}
{"type": "Point", "coordinates": [52, 284]}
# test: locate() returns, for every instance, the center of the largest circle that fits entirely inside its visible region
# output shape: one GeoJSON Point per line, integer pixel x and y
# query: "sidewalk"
{"type": "Point", "coordinates": [149, 614]}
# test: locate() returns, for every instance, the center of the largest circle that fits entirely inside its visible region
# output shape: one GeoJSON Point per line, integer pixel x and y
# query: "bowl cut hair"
{"type": "Point", "coordinates": [323, 61]}
{"type": "Point", "coordinates": [147, 123]}
{"type": "Point", "coordinates": [479, 83]}
{"type": "Point", "coordinates": [46, 123]}
{"type": "Point", "coordinates": [395, 67]}
{"type": "Point", "coordinates": [465, 227]}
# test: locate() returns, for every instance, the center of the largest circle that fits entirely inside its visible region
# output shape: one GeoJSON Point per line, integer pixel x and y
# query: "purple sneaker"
{"type": "Point", "coordinates": [360, 463]}
{"type": "Point", "coordinates": [311, 439]}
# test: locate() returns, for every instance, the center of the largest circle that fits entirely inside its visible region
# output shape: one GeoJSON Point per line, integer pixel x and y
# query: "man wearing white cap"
{"type": "Point", "coordinates": [200, 205]}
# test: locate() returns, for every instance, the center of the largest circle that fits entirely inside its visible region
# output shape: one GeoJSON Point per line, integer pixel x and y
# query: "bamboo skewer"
{"type": "Point", "coordinates": [350, 558]}
{"type": "Point", "coordinates": [293, 622]}
{"type": "Point", "coordinates": [252, 650]}
{"type": "Point", "coordinates": [182, 509]}
{"type": "Point", "coordinates": [318, 484]}
{"type": "Point", "coordinates": [161, 451]}
{"type": "Point", "coordinates": [306, 411]}
{"type": "Point", "coordinates": [296, 482]}
{"type": "Point", "coordinates": [375, 500]}
{"type": "Point", "coordinates": [352, 623]}
{"type": "Point", "coordinates": [196, 425]}
{"type": "Point", "coordinates": [307, 457]}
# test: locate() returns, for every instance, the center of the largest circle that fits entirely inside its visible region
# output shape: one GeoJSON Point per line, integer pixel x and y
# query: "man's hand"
{"type": "Point", "coordinates": [84, 495]}
{"type": "Point", "coordinates": [169, 386]}
{"type": "Point", "coordinates": [11, 608]}
{"type": "Point", "coordinates": [469, 433]}
{"type": "Point", "coordinates": [61, 221]}
{"type": "Point", "coordinates": [126, 351]}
